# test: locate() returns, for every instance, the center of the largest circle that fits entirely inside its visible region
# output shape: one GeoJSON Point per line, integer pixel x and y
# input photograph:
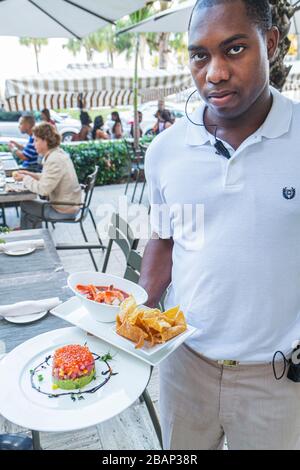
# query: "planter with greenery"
{"type": "Point", "coordinates": [3, 230]}
{"type": "Point", "coordinates": [110, 156]}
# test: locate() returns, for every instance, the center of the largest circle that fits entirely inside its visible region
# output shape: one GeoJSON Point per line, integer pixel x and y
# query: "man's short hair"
{"type": "Point", "coordinates": [29, 118]}
{"type": "Point", "coordinates": [258, 11]}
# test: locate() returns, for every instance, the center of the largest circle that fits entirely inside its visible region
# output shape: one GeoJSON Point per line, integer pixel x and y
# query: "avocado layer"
{"type": "Point", "coordinates": [72, 384]}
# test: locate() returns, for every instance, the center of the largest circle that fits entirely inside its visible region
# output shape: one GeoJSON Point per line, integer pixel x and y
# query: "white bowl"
{"type": "Point", "coordinates": [100, 311]}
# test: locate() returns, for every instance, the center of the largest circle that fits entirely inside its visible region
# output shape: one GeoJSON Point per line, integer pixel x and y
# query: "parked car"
{"type": "Point", "coordinates": [9, 125]}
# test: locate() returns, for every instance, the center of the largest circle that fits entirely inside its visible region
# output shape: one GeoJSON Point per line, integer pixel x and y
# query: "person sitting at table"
{"type": "Point", "coordinates": [58, 181]}
{"type": "Point", "coordinates": [85, 132]}
{"type": "Point", "coordinates": [27, 153]}
{"type": "Point", "coordinates": [164, 120]}
{"type": "Point", "coordinates": [115, 126]}
{"type": "Point", "coordinates": [139, 129]}
{"type": "Point", "coordinates": [98, 131]}
{"type": "Point", "coordinates": [46, 117]}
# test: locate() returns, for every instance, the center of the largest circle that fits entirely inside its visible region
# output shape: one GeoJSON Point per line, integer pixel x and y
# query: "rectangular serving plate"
{"type": "Point", "coordinates": [74, 312]}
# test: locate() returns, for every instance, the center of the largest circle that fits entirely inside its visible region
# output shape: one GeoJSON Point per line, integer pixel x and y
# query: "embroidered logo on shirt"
{"type": "Point", "coordinates": [289, 193]}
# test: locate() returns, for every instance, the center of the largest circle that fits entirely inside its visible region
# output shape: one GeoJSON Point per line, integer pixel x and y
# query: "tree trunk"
{"type": "Point", "coordinates": [111, 57]}
{"type": "Point", "coordinates": [36, 51]}
{"type": "Point", "coordinates": [142, 50]}
{"type": "Point", "coordinates": [89, 54]}
{"type": "Point", "coordinates": [282, 14]}
{"type": "Point", "coordinates": [163, 50]}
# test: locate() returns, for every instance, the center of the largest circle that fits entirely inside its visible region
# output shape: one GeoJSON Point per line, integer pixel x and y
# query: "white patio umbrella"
{"type": "Point", "coordinates": [172, 20]}
{"type": "Point", "coordinates": [176, 20]}
{"type": "Point", "coordinates": [61, 18]}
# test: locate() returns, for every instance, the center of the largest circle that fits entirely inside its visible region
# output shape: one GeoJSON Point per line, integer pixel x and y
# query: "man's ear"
{"type": "Point", "coordinates": [273, 37]}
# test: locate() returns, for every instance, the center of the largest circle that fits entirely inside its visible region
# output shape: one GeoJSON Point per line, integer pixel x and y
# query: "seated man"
{"type": "Point", "coordinates": [28, 152]}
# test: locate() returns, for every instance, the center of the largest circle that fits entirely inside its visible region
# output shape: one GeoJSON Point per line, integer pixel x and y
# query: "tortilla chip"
{"type": "Point", "coordinates": [172, 312]}
{"type": "Point", "coordinates": [140, 324]}
{"type": "Point", "coordinates": [134, 333]}
{"type": "Point", "coordinates": [180, 318]}
{"type": "Point", "coordinates": [171, 332]}
{"type": "Point", "coordinates": [127, 307]}
{"type": "Point", "coordinates": [157, 324]}
{"type": "Point", "coordinates": [150, 313]}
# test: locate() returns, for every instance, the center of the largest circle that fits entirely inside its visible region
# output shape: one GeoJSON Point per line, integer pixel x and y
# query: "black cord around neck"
{"type": "Point", "coordinates": [219, 146]}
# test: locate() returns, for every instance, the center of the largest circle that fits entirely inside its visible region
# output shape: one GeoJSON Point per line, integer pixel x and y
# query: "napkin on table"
{"type": "Point", "coordinates": [22, 245]}
{"type": "Point", "coordinates": [28, 307]}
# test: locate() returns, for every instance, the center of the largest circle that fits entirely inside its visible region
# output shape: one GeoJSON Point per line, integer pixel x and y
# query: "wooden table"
{"type": "Point", "coordinates": [8, 198]}
{"type": "Point", "coordinates": [32, 277]}
{"type": "Point", "coordinates": [9, 163]}
{"type": "Point", "coordinates": [36, 276]}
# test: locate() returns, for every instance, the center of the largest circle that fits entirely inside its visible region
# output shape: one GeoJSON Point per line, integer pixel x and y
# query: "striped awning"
{"type": "Point", "coordinates": [96, 87]}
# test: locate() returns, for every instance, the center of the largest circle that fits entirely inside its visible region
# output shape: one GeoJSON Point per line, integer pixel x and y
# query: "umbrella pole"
{"type": "Point", "coordinates": [135, 95]}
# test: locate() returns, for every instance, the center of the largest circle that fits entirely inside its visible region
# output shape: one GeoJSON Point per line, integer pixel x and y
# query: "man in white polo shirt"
{"type": "Point", "coordinates": [227, 225]}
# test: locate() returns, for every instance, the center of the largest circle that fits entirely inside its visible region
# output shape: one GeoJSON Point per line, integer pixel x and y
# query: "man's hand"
{"type": "Point", "coordinates": [16, 144]}
{"type": "Point", "coordinates": [11, 146]}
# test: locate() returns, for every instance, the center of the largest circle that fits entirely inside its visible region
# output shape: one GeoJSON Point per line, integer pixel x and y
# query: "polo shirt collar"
{"type": "Point", "coordinates": [279, 118]}
{"type": "Point", "coordinates": [276, 124]}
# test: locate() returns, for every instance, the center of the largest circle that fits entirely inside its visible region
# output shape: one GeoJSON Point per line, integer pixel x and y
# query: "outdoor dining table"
{"type": "Point", "coordinates": [31, 278]}
{"type": "Point", "coordinates": [8, 163]}
{"type": "Point", "coordinates": [13, 194]}
{"type": "Point", "coordinates": [41, 277]}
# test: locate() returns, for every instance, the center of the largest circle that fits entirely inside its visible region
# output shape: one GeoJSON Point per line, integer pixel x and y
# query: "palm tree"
{"type": "Point", "coordinates": [37, 44]}
{"type": "Point", "coordinates": [282, 14]}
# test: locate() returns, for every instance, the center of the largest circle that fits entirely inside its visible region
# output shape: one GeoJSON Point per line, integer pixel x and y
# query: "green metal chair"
{"type": "Point", "coordinates": [132, 273]}
{"type": "Point", "coordinates": [88, 189]}
{"type": "Point", "coordinates": [120, 233]}
{"type": "Point", "coordinates": [136, 158]}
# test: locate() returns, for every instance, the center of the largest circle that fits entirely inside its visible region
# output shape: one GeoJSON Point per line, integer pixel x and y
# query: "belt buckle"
{"type": "Point", "coordinates": [228, 363]}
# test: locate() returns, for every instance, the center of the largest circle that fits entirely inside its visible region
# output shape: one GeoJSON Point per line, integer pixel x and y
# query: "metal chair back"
{"type": "Point", "coordinates": [133, 269]}
{"type": "Point", "coordinates": [88, 188]}
{"type": "Point", "coordinates": [119, 232]}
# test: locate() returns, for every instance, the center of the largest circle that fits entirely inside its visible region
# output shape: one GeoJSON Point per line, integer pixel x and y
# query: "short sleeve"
{"type": "Point", "coordinates": [160, 219]}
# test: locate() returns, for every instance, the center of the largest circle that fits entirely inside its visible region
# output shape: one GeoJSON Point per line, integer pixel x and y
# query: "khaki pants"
{"type": "Point", "coordinates": [202, 401]}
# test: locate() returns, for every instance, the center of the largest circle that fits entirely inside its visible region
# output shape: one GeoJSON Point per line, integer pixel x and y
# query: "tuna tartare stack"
{"type": "Point", "coordinates": [73, 367]}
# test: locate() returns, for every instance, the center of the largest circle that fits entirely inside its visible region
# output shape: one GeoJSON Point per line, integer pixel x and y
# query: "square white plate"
{"type": "Point", "coordinates": [73, 312]}
{"type": "Point", "coordinates": [146, 349]}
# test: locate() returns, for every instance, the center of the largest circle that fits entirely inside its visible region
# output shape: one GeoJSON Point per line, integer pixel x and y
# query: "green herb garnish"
{"type": "Point", "coordinates": [106, 357]}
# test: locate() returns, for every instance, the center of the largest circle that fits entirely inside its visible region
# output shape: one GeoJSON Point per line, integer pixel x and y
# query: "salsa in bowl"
{"type": "Point", "coordinates": [101, 294]}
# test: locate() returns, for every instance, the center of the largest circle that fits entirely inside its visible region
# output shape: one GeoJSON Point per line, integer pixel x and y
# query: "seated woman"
{"type": "Point", "coordinates": [164, 120]}
{"type": "Point", "coordinates": [46, 117]}
{"type": "Point", "coordinates": [85, 132]}
{"type": "Point", "coordinates": [117, 128]}
{"type": "Point", "coordinates": [98, 132]}
{"type": "Point", "coordinates": [58, 181]}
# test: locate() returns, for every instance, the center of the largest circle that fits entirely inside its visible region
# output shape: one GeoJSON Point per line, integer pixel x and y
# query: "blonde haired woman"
{"type": "Point", "coordinates": [58, 181]}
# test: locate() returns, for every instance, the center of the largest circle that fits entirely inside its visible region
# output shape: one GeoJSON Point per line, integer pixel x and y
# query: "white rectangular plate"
{"type": "Point", "coordinates": [146, 349]}
{"type": "Point", "coordinates": [73, 312]}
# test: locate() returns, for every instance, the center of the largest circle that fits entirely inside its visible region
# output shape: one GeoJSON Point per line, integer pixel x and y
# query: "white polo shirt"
{"type": "Point", "coordinates": [240, 284]}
